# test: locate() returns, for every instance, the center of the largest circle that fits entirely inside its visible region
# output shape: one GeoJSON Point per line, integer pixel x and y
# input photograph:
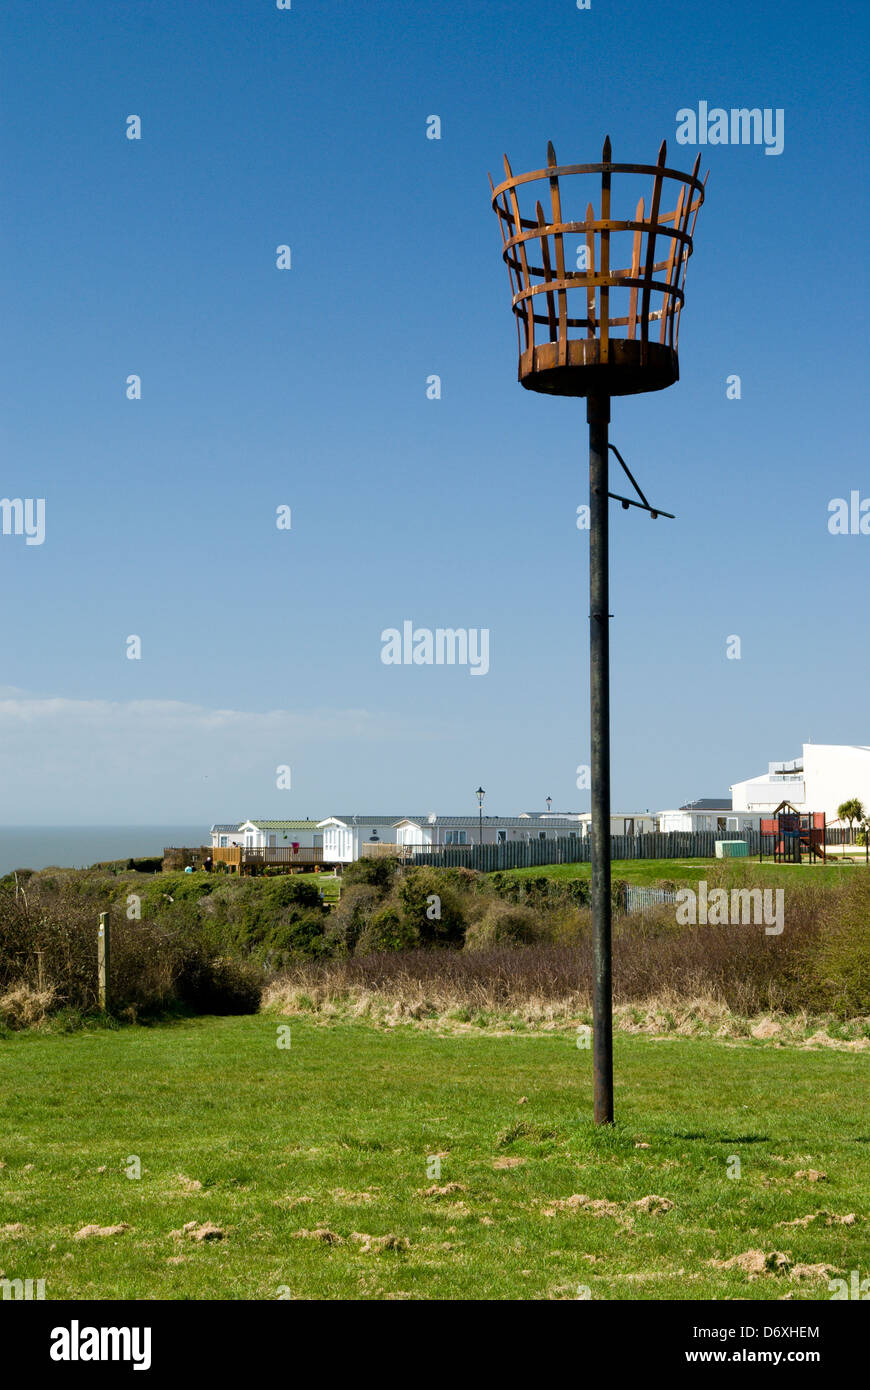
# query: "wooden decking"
{"type": "Point", "coordinates": [247, 858]}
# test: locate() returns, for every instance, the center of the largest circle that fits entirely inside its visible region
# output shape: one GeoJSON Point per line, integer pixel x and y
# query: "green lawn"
{"type": "Point", "coordinates": [336, 1132]}
{"type": "Point", "coordinates": [649, 871]}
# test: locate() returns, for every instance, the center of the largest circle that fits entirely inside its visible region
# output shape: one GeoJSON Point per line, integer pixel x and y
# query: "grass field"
{"type": "Point", "coordinates": [338, 1134]}
{"type": "Point", "coordinates": [649, 871]}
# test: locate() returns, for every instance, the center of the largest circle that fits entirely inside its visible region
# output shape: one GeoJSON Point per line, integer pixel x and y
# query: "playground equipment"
{"type": "Point", "coordinates": [795, 834]}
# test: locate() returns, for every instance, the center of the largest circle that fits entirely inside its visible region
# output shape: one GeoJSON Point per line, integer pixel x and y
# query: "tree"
{"type": "Point", "coordinates": [851, 811]}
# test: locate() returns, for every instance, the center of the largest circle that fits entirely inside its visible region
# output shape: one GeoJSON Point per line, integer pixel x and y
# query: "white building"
{"type": "Point", "coordinates": [344, 836]}
{"type": "Point", "coordinates": [347, 838]}
{"type": "Point", "coordinates": [827, 775]}
{"type": "Point", "coordinates": [259, 834]}
{"type": "Point", "coordinates": [623, 822]}
{"type": "Point", "coordinates": [433, 829]}
{"type": "Point", "coordinates": [226, 836]}
{"type": "Point", "coordinates": [708, 814]}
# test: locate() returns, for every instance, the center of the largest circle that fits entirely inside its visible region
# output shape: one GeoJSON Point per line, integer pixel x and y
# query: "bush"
{"type": "Point", "coordinates": [302, 933]}
{"type": "Point", "coordinates": [540, 891]}
{"type": "Point", "coordinates": [431, 908]}
{"type": "Point", "coordinates": [190, 923]}
{"type": "Point", "coordinates": [24, 1007]}
{"type": "Point", "coordinates": [48, 945]}
{"type": "Point", "coordinates": [376, 873]}
{"type": "Point", "coordinates": [357, 906]}
{"type": "Point", "coordinates": [291, 890]}
{"type": "Point", "coordinates": [387, 931]}
{"type": "Point", "coordinates": [503, 925]}
{"type": "Point", "coordinates": [838, 963]}
{"type": "Point", "coordinates": [275, 914]}
{"type": "Point", "coordinates": [219, 985]}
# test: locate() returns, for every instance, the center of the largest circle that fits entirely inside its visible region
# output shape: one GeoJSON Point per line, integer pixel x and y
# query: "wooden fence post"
{"type": "Point", "coordinates": [103, 962]}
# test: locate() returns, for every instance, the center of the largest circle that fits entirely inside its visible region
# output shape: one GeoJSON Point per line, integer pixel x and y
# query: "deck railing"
{"type": "Point", "coordinates": [267, 854]}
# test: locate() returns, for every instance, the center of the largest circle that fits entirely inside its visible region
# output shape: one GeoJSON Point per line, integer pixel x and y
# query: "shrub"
{"type": "Point", "coordinates": [219, 985]}
{"type": "Point", "coordinates": [540, 891]}
{"type": "Point", "coordinates": [503, 925]}
{"type": "Point", "coordinates": [357, 906]}
{"type": "Point", "coordinates": [291, 890]}
{"type": "Point", "coordinates": [377, 873]}
{"type": "Point", "coordinates": [838, 963]}
{"type": "Point", "coordinates": [430, 906]}
{"type": "Point", "coordinates": [302, 933]}
{"type": "Point", "coordinates": [265, 915]}
{"type": "Point", "coordinates": [48, 944]}
{"type": "Point", "coordinates": [23, 1007]}
{"type": "Point", "coordinates": [387, 931]}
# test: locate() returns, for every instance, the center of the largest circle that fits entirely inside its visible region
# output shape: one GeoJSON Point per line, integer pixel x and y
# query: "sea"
{"type": "Point", "coordinates": [79, 846]}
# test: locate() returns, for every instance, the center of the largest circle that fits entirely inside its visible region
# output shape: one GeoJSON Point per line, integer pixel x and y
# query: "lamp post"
{"type": "Point", "coordinates": [628, 322]}
{"type": "Point", "coordinates": [480, 794]}
{"type": "Point", "coordinates": [549, 804]}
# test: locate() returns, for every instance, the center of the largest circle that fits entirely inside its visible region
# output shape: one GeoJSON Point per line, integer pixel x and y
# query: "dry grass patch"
{"type": "Point", "coordinates": [200, 1232]}
{"type": "Point", "coordinates": [409, 992]}
{"type": "Point", "coordinates": [321, 1233]}
{"type": "Point", "coordinates": [379, 1245]}
{"type": "Point", "coordinates": [87, 1231]}
{"type": "Point", "coordinates": [438, 1192]}
{"type": "Point", "coordinates": [21, 1006]}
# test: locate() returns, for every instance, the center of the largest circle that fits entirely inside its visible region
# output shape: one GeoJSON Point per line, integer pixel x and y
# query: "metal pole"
{"type": "Point", "coordinates": [598, 417]}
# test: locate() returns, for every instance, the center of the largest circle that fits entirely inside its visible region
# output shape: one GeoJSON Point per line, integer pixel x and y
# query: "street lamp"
{"type": "Point", "coordinates": [480, 794]}
{"type": "Point", "coordinates": [549, 804]}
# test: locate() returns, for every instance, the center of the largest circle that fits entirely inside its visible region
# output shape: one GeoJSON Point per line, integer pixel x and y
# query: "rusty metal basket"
{"type": "Point", "coordinates": [603, 352]}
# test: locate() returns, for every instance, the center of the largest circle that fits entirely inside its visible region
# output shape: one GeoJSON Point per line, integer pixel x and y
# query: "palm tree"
{"type": "Point", "coordinates": [851, 811]}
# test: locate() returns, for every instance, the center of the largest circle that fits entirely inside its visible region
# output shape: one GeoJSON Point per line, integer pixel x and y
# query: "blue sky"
{"type": "Point", "coordinates": [307, 388]}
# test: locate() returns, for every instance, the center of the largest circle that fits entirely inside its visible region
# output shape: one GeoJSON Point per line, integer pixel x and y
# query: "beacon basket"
{"type": "Point", "coordinates": [585, 328]}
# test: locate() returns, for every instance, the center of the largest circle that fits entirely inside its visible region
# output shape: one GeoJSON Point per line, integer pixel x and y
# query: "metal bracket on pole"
{"type": "Point", "coordinates": [629, 501]}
